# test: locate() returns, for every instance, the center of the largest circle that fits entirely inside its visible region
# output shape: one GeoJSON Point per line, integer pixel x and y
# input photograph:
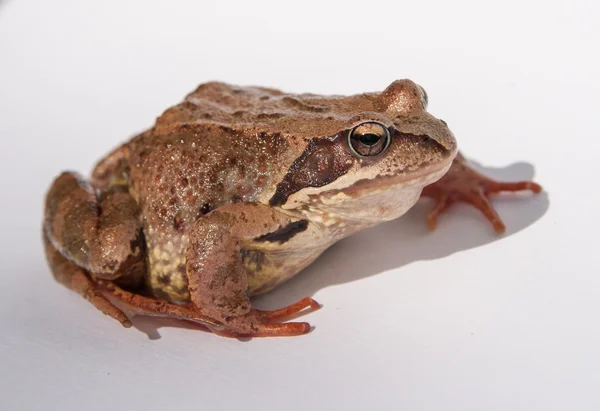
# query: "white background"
{"type": "Point", "coordinates": [458, 319]}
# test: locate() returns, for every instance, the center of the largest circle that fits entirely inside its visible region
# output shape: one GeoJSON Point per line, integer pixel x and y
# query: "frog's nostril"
{"type": "Point", "coordinates": [429, 142]}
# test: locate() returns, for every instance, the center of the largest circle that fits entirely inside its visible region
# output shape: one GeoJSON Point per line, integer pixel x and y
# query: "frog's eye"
{"type": "Point", "coordinates": [424, 98]}
{"type": "Point", "coordinates": [369, 139]}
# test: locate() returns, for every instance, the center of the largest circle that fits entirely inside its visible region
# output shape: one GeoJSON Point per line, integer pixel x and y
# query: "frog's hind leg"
{"type": "Point", "coordinates": [266, 323]}
{"type": "Point", "coordinates": [89, 234]}
{"type": "Point", "coordinates": [76, 279]}
{"type": "Point", "coordinates": [291, 311]}
{"type": "Point", "coordinates": [137, 304]}
{"type": "Point", "coordinates": [107, 297]}
{"type": "Point", "coordinates": [113, 169]}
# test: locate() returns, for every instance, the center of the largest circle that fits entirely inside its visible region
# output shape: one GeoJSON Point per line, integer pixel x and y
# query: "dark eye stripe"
{"type": "Point", "coordinates": [323, 161]}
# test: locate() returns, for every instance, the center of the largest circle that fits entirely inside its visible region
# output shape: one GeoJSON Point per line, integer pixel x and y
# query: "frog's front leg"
{"type": "Point", "coordinates": [90, 235]}
{"type": "Point", "coordinates": [462, 183]}
{"type": "Point", "coordinates": [217, 278]}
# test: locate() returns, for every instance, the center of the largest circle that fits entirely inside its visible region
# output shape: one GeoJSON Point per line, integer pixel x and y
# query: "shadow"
{"type": "Point", "coordinates": [397, 243]}
{"type": "Point", "coordinates": [400, 242]}
{"type": "Point", "coordinates": [151, 325]}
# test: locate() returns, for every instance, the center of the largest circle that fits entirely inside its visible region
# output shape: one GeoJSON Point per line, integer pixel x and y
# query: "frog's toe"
{"type": "Point", "coordinates": [492, 187]}
{"type": "Point", "coordinates": [442, 203]}
{"type": "Point", "coordinates": [284, 329]}
{"type": "Point", "coordinates": [106, 307]}
{"type": "Point", "coordinates": [260, 323]}
{"type": "Point", "coordinates": [302, 307]}
{"type": "Point", "coordinates": [478, 192]}
{"type": "Point", "coordinates": [260, 330]}
{"type": "Point", "coordinates": [480, 201]}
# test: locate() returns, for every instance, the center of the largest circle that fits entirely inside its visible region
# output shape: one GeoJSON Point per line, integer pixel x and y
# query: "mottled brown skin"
{"type": "Point", "coordinates": [237, 189]}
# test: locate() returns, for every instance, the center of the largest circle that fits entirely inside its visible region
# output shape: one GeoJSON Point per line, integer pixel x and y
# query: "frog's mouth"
{"type": "Point", "coordinates": [368, 187]}
{"type": "Point", "coordinates": [368, 202]}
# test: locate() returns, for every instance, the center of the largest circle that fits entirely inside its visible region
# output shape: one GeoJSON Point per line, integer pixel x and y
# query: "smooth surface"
{"type": "Point", "coordinates": [458, 319]}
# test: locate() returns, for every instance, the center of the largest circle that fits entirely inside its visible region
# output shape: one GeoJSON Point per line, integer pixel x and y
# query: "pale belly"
{"type": "Point", "coordinates": [166, 277]}
{"type": "Point", "coordinates": [270, 264]}
{"type": "Point", "coordinates": [269, 268]}
{"type": "Point", "coordinates": [267, 264]}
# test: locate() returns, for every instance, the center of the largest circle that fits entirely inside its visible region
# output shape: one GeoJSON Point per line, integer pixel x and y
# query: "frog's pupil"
{"type": "Point", "coordinates": [369, 139]}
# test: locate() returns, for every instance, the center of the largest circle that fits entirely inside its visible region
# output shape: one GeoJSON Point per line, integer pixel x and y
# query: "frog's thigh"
{"type": "Point", "coordinates": [217, 277]}
{"type": "Point", "coordinates": [101, 235]}
{"type": "Point", "coordinates": [111, 169]}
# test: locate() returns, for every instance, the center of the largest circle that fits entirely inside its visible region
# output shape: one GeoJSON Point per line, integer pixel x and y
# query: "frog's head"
{"type": "Point", "coordinates": [371, 157]}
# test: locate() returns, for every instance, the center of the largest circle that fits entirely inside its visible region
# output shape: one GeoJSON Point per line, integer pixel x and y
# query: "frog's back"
{"type": "Point", "coordinates": [225, 144]}
{"type": "Point", "coordinates": [259, 110]}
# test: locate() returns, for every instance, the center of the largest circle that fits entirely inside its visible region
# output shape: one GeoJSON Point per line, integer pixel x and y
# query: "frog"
{"type": "Point", "coordinates": [237, 189]}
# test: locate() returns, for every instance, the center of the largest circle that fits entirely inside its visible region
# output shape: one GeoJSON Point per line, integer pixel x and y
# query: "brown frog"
{"type": "Point", "coordinates": [237, 189]}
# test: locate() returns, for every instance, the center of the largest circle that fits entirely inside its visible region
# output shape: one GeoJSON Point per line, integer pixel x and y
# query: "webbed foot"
{"type": "Point", "coordinates": [462, 183]}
